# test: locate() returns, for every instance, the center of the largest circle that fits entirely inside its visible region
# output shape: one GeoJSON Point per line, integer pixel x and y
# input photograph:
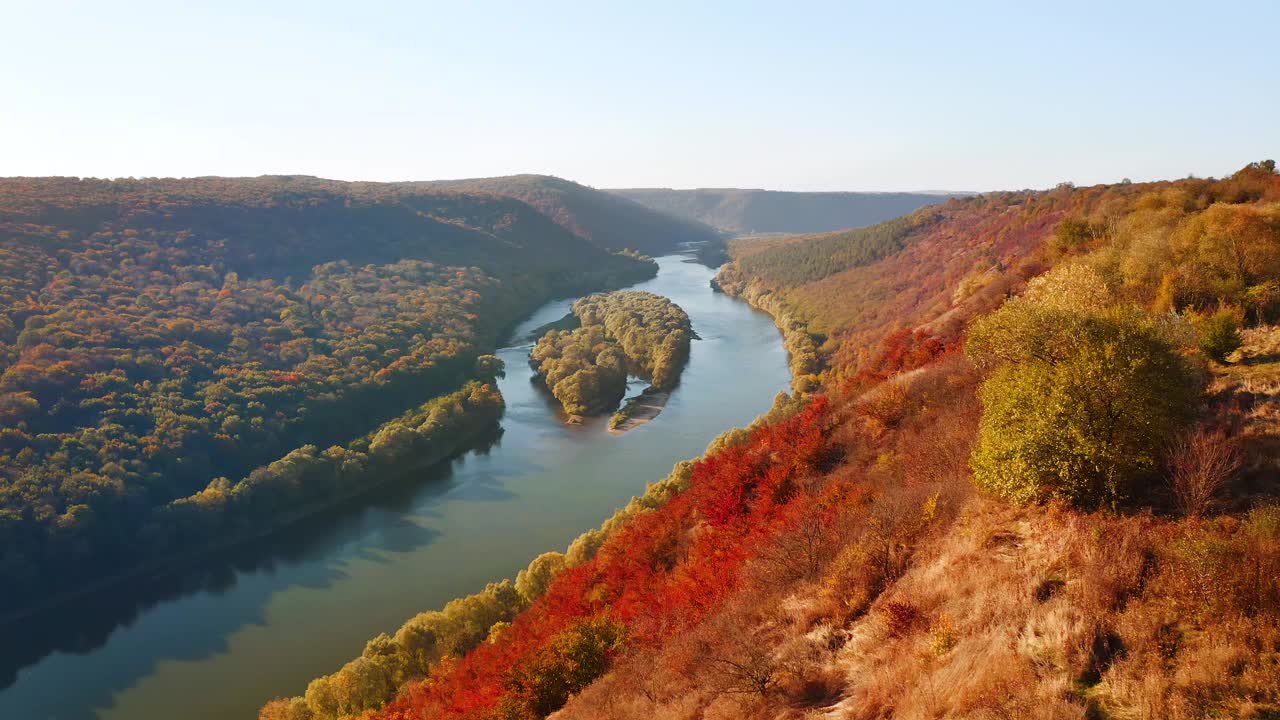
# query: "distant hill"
{"type": "Point", "coordinates": [603, 218]}
{"type": "Point", "coordinates": [767, 211]}
{"type": "Point", "coordinates": [276, 226]}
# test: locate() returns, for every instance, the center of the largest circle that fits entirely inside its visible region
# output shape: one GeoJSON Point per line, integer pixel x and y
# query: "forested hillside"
{"type": "Point", "coordinates": [602, 218]}
{"type": "Point", "coordinates": [745, 212]}
{"type": "Point", "coordinates": [1036, 476]}
{"type": "Point", "coordinates": [927, 273]}
{"type": "Point", "coordinates": [161, 341]}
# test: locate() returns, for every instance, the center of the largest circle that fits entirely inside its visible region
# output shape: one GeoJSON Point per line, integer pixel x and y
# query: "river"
{"type": "Point", "coordinates": [262, 621]}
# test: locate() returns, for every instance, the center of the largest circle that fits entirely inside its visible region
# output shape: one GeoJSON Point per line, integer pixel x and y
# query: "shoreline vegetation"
{"type": "Point", "coordinates": [429, 638]}
{"type": "Point", "coordinates": [618, 334]}
{"type": "Point", "coordinates": [440, 429]}
{"type": "Point", "coordinates": [802, 350]}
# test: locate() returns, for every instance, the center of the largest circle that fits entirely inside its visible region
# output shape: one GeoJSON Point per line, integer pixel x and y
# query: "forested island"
{"type": "Point", "coordinates": [619, 334]}
{"type": "Point", "coordinates": [185, 362]}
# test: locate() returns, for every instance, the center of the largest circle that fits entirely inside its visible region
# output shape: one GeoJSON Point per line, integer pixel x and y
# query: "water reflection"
{"type": "Point", "coordinates": [377, 520]}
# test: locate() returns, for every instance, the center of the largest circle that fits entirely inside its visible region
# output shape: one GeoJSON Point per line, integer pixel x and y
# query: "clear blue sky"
{"type": "Point", "coordinates": [785, 95]}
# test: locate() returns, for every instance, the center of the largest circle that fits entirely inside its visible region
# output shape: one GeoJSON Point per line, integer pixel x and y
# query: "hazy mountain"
{"type": "Point", "coordinates": [767, 211]}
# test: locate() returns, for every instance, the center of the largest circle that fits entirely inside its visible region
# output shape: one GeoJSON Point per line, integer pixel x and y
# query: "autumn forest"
{"type": "Point", "coordinates": [186, 361]}
{"type": "Point", "coordinates": [639, 361]}
{"type": "Point", "coordinates": [1025, 466]}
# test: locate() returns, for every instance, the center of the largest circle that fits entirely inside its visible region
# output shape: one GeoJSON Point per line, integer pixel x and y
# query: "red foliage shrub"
{"type": "Point", "coordinates": [666, 571]}
{"type": "Point", "coordinates": [904, 350]}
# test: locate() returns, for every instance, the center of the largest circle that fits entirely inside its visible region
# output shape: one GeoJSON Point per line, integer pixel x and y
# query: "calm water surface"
{"type": "Point", "coordinates": [262, 621]}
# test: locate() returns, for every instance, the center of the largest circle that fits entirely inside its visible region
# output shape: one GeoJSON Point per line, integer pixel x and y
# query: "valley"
{"type": "Point", "coordinates": [248, 617]}
{"type": "Point", "coordinates": [741, 212]}
{"type": "Point", "coordinates": [639, 361]}
{"type": "Point", "coordinates": [1031, 470]}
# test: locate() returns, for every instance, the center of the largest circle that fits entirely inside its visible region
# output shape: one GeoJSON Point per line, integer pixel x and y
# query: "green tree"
{"type": "Point", "coordinates": [572, 661]}
{"type": "Point", "coordinates": [1083, 397]}
{"type": "Point", "coordinates": [1073, 235]}
{"type": "Point", "coordinates": [1219, 333]}
{"type": "Point", "coordinates": [490, 367]}
{"type": "Point", "coordinates": [1047, 323]}
{"type": "Point", "coordinates": [533, 581]}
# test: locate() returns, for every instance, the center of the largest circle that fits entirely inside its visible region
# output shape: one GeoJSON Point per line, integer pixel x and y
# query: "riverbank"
{"type": "Point", "coordinates": [802, 351]}
{"type": "Point", "coordinates": [639, 410]}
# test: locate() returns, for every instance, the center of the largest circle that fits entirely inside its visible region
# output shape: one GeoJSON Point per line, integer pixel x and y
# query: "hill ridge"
{"type": "Point", "coordinates": [741, 211]}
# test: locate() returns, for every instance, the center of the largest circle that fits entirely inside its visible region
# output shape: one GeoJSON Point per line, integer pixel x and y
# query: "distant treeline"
{"type": "Point", "coordinates": [619, 334]}
{"type": "Point", "coordinates": [812, 258]}
{"type": "Point", "coordinates": [602, 218]}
